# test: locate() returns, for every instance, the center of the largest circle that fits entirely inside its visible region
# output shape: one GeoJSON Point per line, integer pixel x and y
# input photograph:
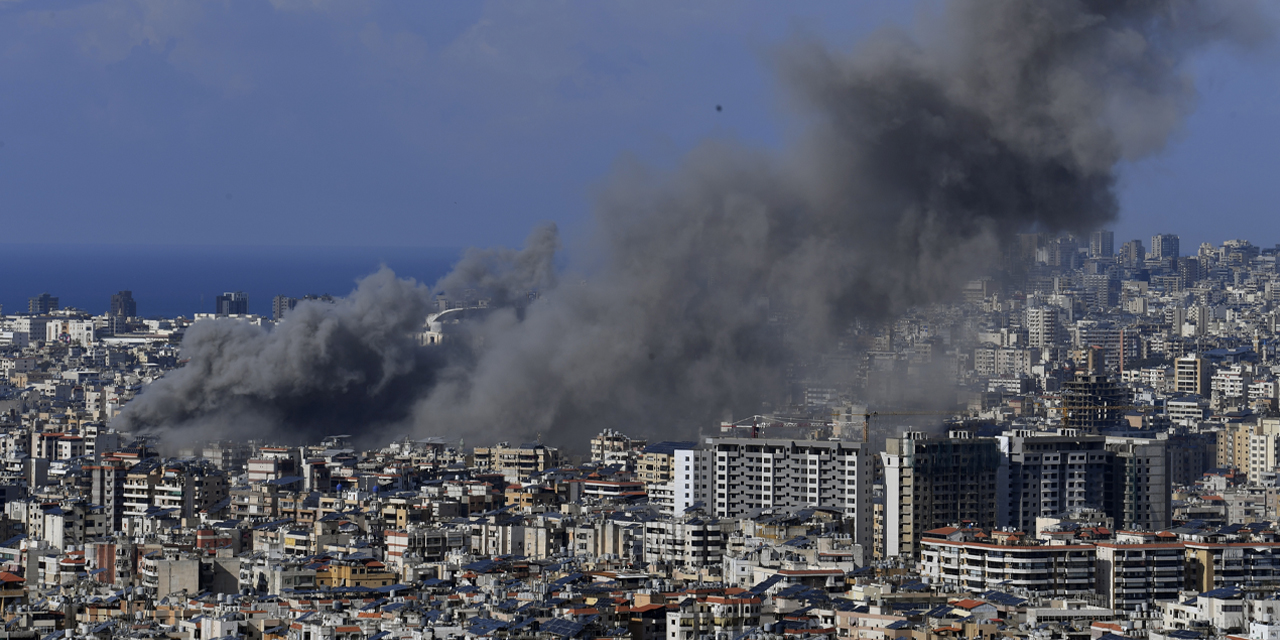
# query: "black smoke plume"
{"type": "Point", "coordinates": [919, 158]}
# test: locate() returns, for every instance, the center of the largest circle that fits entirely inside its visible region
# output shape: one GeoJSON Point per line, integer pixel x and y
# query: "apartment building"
{"type": "Point", "coordinates": [1193, 375]}
{"type": "Point", "coordinates": [689, 541]}
{"type": "Point", "coordinates": [978, 561]}
{"type": "Point", "coordinates": [614, 447]}
{"type": "Point", "coordinates": [517, 463]}
{"type": "Point", "coordinates": [1143, 492]}
{"type": "Point", "coordinates": [1053, 474]}
{"type": "Point", "coordinates": [936, 482]}
{"type": "Point", "coordinates": [656, 464]}
{"type": "Point", "coordinates": [760, 473]}
{"type": "Point", "coordinates": [1139, 568]}
{"type": "Point", "coordinates": [1253, 566]}
{"type": "Point", "coordinates": [713, 616]}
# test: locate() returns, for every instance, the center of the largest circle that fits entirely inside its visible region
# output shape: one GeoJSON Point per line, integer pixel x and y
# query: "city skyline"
{"type": "Point", "coordinates": [366, 320]}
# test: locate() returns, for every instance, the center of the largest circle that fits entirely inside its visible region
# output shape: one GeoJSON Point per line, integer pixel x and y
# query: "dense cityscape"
{"type": "Point", "coordinates": [1108, 469]}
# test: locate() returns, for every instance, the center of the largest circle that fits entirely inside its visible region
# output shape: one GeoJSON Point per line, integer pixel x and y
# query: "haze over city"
{"type": "Point", "coordinates": [382, 123]}
{"type": "Point", "coordinates": [361, 320]}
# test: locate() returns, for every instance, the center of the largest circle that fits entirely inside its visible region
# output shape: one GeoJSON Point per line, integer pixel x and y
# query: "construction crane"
{"type": "Point", "coordinates": [866, 418]}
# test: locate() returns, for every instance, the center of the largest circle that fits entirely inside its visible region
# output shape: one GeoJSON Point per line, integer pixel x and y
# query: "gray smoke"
{"type": "Point", "coordinates": [329, 368]}
{"type": "Point", "coordinates": [919, 160]}
{"type": "Point", "coordinates": [505, 277]}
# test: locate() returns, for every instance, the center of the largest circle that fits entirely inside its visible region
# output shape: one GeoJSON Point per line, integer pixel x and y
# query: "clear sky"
{"type": "Point", "coordinates": [336, 122]}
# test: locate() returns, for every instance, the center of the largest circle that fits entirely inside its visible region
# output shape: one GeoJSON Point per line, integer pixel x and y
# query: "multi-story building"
{"type": "Point", "coordinates": [1054, 474]}
{"type": "Point", "coordinates": [759, 473]}
{"type": "Point", "coordinates": [228, 455]}
{"type": "Point", "coordinates": [1265, 394]}
{"type": "Point", "coordinates": [1164, 246]}
{"type": "Point", "coordinates": [1231, 382]}
{"type": "Point", "coordinates": [354, 573]}
{"type": "Point", "coordinates": [978, 561]}
{"type": "Point", "coordinates": [1132, 253]}
{"type": "Point", "coordinates": [185, 488]}
{"type": "Point", "coordinates": [1091, 402]}
{"type": "Point", "coordinates": [533, 538]}
{"type": "Point", "coordinates": [519, 463]}
{"type": "Point", "coordinates": [990, 362]}
{"type": "Point", "coordinates": [1142, 488]}
{"type": "Point", "coordinates": [1192, 375]}
{"type": "Point", "coordinates": [107, 490]}
{"type": "Point", "coordinates": [1187, 411]}
{"type": "Point", "coordinates": [713, 616]}
{"type": "Point", "coordinates": [422, 544]}
{"type": "Point", "coordinates": [232, 303]}
{"type": "Point", "coordinates": [42, 304]}
{"type": "Point", "coordinates": [614, 447]}
{"type": "Point", "coordinates": [1043, 327]}
{"type": "Point", "coordinates": [657, 461]}
{"type": "Point", "coordinates": [936, 482]}
{"type": "Point", "coordinates": [693, 481]}
{"type": "Point", "coordinates": [1102, 244]}
{"type": "Point", "coordinates": [1136, 570]}
{"type": "Point", "coordinates": [688, 541]}
{"type": "Point", "coordinates": [281, 305]}
{"type": "Point", "coordinates": [139, 487]}
{"type": "Point", "coordinates": [609, 537]}
{"type": "Point", "coordinates": [1250, 447]}
{"type": "Point", "coordinates": [123, 305]}
{"type": "Point", "coordinates": [1253, 566]}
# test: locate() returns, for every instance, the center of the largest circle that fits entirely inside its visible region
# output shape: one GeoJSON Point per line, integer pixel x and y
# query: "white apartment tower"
{"type": "Point", "coordinates": [736, 476]}
{"type": "Point", "coordinates": [1042, 327]}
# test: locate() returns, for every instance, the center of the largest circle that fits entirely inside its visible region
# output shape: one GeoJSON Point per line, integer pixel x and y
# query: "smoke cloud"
{"type": "Point", "coordinates": [329, 369]}
{"type": "Point", "coordinates": [917, 162]}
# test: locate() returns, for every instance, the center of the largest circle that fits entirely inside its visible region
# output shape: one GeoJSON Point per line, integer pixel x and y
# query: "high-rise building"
{"type": "Point", "coordinates": [1064, 252]}
{"type": "Point", "coordinates": [1092, 402]}
{"type": "Point", "coordinates": [1132, 253]}
{"type": "Point", "coordinates": [759, 473]}
{"type": "Point", "coordinates": [123, 305]}
{"type": "Point", "coordinates": [1191, 271]}
{"type": "Point", "coordinates": [42, 304]}
{"type": "Point", "coordinates": [1103, 291]}
{"type": "Point", "coordinates": [1142, 489]}
{"type": "Point", "coordinates": [232, 303]}
{"type": "Point", "coordinates": [937, 482]}
{"type": "Point", "coordinates": [1164, 246]}
{"type": "Point", "coordinates": [283, 304]}
{"type": "Point", "coordinates": [1192, 374]}
{"type": "Point", "coordinates": [1132, 576]}
{"type": "Point", "coordinates": [280, 305]}
{"type": "Point", "coordinates": [1102, 244]}
{"type": "Point", "coordinates": [1043, 329]}
{"type": "Point", "coordinates": [1053, 474]}
{"type": "Point", "coordinates": [107, 491]}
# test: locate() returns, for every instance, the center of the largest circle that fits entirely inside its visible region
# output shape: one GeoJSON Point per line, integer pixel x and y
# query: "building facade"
{"type": "Point", "coordinates": [936, 482]}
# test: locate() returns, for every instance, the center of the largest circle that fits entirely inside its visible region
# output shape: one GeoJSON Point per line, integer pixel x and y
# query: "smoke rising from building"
{"type": "Point", "coordinates": [918, 161]}
{"type": "Point", "coordinates": [330, 367]}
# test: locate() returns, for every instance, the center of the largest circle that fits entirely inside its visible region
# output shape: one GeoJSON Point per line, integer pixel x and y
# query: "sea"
{"type": "Point", "coordinates": [182, 280]}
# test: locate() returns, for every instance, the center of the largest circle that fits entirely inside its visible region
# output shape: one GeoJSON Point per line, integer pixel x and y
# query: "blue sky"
{"type": "Point", "coordinates": [358, 122]}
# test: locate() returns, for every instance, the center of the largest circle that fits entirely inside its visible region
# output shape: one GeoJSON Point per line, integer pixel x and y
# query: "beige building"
{"type": "Point", "coordinates": [1192, 375]}
{"type": "Point", "coordinates": [657, 463]}
{"type": "Point", "coordinates": [517, 463]}
{"type": "Point", "coordinates": [1249, 447]}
